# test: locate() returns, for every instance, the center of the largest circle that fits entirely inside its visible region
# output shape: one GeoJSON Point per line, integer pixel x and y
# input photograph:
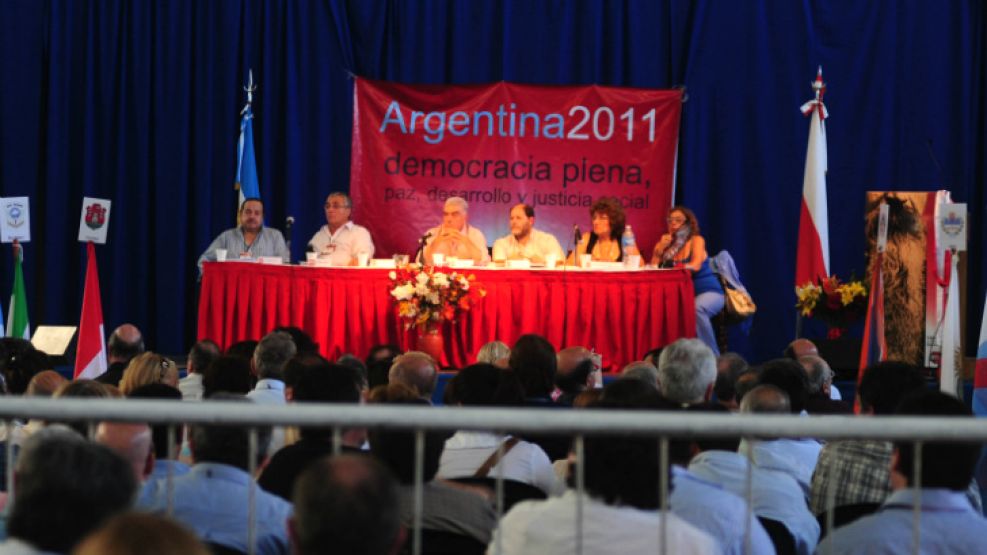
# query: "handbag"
{"type": "Point", "coordinates": [738, 305]}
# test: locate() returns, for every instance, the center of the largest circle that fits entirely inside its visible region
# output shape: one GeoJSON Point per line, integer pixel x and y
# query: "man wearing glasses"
{"type": "Point", "coordinates": [341, 240]}
{"type": "Point", "coordinates": [455, 237]}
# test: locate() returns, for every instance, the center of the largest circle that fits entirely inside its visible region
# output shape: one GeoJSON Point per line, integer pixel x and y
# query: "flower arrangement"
{"type": "Point", "coordinates": [427, 295]}
{"type": "Point", "coordinates": [837, 303]}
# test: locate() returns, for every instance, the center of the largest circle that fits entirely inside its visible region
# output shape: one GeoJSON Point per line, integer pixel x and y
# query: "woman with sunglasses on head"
{"type": "Point", "coordinates": [684, 247]}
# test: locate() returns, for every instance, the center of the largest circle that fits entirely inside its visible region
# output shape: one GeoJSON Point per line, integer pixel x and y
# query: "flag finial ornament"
{"type": "Point", "coordinates": [816, 104]}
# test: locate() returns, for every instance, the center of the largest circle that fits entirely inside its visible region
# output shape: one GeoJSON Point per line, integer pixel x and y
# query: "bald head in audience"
{"type": "Point", "coordinates": [416, 370]}
{"type": "Point", "coordinates": [799, 348]}
{"type": "Point", "coordinates": [575, 370]}
{"type": "Point", "coordinates": [125, 343]}
{"type": "Point", "coordinates": [765, 399]}
{"type": "Point", "coordinates": [819, 373]}
{"type": "Point", "coordinates": [130, 441]}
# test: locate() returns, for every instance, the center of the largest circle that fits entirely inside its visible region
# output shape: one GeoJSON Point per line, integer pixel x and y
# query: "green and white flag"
{"type": "Point", "coordinates": [17, 324]}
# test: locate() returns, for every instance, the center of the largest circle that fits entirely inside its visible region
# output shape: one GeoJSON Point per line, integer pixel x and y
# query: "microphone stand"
{"type": "Point", "coordinates": [420, 253]}
{"type": "Point", "coordinates": [565, 286]}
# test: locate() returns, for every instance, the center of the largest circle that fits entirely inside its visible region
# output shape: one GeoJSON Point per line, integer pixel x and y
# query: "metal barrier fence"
{"type": "Point", "coordinates": [579, 423]}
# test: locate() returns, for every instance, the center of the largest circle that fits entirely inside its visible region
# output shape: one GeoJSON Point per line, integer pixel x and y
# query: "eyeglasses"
{"type": "Point", "coordinates": [336, 205]}
{"type": "Point", "coordinates": [675, 220]}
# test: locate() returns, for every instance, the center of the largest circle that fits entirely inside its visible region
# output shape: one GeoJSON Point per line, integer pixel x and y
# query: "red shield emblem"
{"type": "Point", "coordinates": [95, 216]}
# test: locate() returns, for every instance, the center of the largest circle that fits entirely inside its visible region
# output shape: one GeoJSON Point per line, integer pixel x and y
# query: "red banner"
{"type": "Point", "coordinates": [557, 149]}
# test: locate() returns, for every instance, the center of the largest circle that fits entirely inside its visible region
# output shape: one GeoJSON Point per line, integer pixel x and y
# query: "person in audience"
{"type": "Point", "coordinates": [382, 352]}
{"type": "Point", "coordinates": [304, 344]}
{"type": "Point", "coordinates": [130, 441]}
{"type": "Point", "coordinates": [148, 368]}
{"type": "Point", "coordinates": [524, 241]}
{"type": "Point", "coordinates": [799, 348]}
{"type": "Point", "coordinates": [243, 349]}
{"type": "Point", "coordinates": [858, 471]}
{"type": "Point", "coordinates": [135, 533]}
{"type": "Point", "coordinates": [341, 240]}
{"type": "Point", "coordinates": [82, 389]}
{"type": "Point", "coordinates": [948, 523]}
{"type": "Point", "coordinates": [775, 495]}
{"type": "Point", "coordinates": [686, 371]}
{"type": "Point", "coordinates": [357, 366]}
{"type": "Point", "coordinates": [43, 384]}
{"type": "Point", "coordinates": [446, 508]}
{"type": "Point", "coordinates": [455, 237]}
{"type": "Point", "coordinates": [621, 511]}
{"type": "Point", "coordinates": [494, 352]}
{"type": "Point", "coordinates": [474, 454]}
{"type": "Point", "coordinates": [270, 357]}
{"type": "Point", "coordinates": [576, 371]}
{"type": "Point", "coordinates": [746, 381]}
{"type": "Point", "coordinates": [603, 242]}
{"type": "Point", "coordinates": [346, 504]}
{"type": "Point", "coordinates": [166, 453]}
{"type": "Point", "coordinates": [416, 370]}
{"type": "Point", "coordinates": [315, 381]}
{"type": "Point", "coordinates": [820, 384]}
{"type": "Point", "coordinates": [125, 343]}
{"type": "Point", "coordinates": [684, 247]}
{"type": "Point", "coordinates": [534, 363]}
{"type": "Point", "coordinates": [66, 488]}
{"type": "Point", "coordinates": [796, 456]}
{"type": "Point", "coordinates": [642, 371]}
{"type": "Point", "coordinates": [19, 363]}
{"type": "Point", "coordinates": [211, 498]}
{"type": "Point", "coordinates": [251, 240]}
{"type": "Point", "coordinates": [379, 361]}
{"type": "Point", "coordinates": [729, 367]}
{"type": "Point", "coordinates": [200, 356]}
{"type": "Point", "coordinates": [228, 373]}
{"type": "Point", "coordinates": [652, 356]}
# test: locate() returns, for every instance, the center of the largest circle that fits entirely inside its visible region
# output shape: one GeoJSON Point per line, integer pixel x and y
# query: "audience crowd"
{"type": "Point", "coordinates": [123, 488]}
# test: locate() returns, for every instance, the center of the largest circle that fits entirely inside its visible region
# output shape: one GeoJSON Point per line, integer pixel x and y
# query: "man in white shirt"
{"type": "Point", "coordinates": [341, 240]}
{"type": "Point", "coordinates": [455, 237]}
{"type": "Point", "coordinates": [270, 357]}
{"type": "Point", "coordinates": [525, 241]}
{"type": "Point", "coordinates": [199, 358]}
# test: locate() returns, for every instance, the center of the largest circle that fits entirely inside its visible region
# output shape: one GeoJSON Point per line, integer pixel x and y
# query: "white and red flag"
{"type": "Point", "coordinates": [90, 357]}
{"type": "Point", "coordinates": [812, 260]}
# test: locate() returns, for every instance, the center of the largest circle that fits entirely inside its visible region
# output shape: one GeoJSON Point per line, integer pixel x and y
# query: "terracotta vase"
{"type": "Point", "coordinates": [431, 342]}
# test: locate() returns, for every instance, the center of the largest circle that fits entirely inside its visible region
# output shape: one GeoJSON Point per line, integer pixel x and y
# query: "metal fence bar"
{"type": "Point", "coordinates": [337, 440]}
{"type": "Point", "coordinates": [499, 491]}
{"type": "Point", "coordinates": [917, 501]}
{"type": "Point", "coordinates": [587, 422]}
{"type": "Point", "coordinates": [664, 507]}
{"type": "Point", "coordinates": [749, 494]}
{"type": "Point", "coordinates": [252, 492]}
{"type": "Point", "coordinates": [416, 540]}
{"type": "Point", "coordinates": [580, 449]}
{"type": "Point", "coordinates": [170, 478]}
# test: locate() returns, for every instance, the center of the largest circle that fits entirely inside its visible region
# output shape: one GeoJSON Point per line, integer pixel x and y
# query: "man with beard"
{"type": "Point", "coordinates": [524, 240]}
{"type": "Point", "coordinates": [251, 239]}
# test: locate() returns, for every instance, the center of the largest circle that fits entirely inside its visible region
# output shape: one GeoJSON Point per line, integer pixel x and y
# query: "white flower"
{"type": "Point", "coordinates": [433, 298]}
{"type": "Point", "coordinates": [422, 278]}
{"type": "Point", "coordinates": [440, 280]}
{"type": "Point", "coordinates": [403, 292]}
{"type": "Point", "coordinates": [422, 289]}
{"type": "Point", "coordinates": [392, 275]}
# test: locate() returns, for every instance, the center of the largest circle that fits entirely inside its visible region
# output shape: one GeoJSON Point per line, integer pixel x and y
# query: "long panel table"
{"type": "Point", "coordinates": [348, 310]}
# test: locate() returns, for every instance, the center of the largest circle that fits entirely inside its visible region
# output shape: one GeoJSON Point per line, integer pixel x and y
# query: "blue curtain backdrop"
{"type": "Point", "coordinates": [138, 101]}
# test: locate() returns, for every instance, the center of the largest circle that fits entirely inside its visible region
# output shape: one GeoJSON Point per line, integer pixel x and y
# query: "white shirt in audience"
{"type": "Point", "coordinates": [526, 462]}
{"type": "Point", "coordinates": [549, 528]}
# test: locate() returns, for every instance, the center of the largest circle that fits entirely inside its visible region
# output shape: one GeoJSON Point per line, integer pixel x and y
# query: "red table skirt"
{"type": "Point", "coordinates": [621, 315]}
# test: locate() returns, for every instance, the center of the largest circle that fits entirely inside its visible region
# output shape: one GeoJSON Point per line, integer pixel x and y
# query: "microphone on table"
{"type": "Point", "coordinates": [288, 222]}
{"type": "Point", "coordinates": [576, 235]}
{"type": "Point", "coordinates": [421, 247]}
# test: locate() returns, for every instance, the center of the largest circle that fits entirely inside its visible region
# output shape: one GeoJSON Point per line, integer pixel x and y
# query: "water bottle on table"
{"type": "Point", "coordinates": [628, 248]}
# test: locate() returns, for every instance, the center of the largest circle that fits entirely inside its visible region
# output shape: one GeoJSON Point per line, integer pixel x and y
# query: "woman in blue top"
{"type": "Point", "coordinates": [684, 247]}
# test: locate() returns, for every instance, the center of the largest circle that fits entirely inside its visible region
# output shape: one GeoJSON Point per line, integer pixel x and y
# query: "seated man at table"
{"type": "Point", "coordinates": [251, 239]}
{"type": "Point", "coordinates": [455, 237]}
{"type": "Point", "coordinates": [340, 240]}
{"type": "Point", "coordinates": [525, 241]}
